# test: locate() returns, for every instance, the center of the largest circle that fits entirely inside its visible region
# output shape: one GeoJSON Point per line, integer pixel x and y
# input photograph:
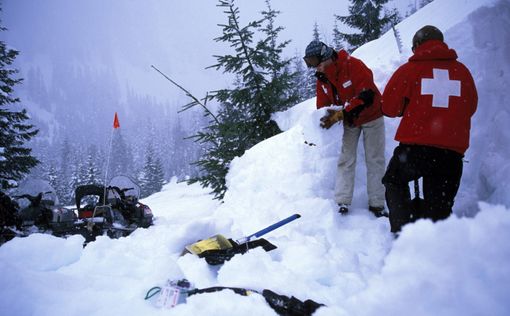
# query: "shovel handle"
{"type": "Point", "coordinates": [272, 227]}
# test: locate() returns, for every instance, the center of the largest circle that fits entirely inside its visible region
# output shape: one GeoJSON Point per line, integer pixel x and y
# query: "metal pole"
{"type": "Point", "coordinates": [107, 165]}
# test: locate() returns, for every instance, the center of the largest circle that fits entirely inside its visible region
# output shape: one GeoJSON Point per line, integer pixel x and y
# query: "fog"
{"type": "Point", "coordinates": [83, 60]}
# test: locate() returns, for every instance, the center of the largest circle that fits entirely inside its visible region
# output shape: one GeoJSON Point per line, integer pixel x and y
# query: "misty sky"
{"type": "Point", "coordinates": [129, 36]}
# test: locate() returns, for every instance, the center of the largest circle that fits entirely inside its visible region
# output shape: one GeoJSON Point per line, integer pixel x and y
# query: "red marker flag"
{"type": "Point", "coordinates": [116, 121]}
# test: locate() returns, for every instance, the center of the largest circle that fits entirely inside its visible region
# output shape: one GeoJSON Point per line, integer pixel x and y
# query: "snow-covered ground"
{"type": "Point", "coordinates": [352, 264]}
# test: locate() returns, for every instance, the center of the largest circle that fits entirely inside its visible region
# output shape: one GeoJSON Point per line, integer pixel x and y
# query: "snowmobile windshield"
{"type": "Point", "coordinates": [31, 188]}
{"type": "Point", "coordinates": [130, 189]}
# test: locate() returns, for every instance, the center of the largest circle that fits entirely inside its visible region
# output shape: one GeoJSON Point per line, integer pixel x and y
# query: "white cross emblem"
{"type": "Point", "coordinates": [441, 87]}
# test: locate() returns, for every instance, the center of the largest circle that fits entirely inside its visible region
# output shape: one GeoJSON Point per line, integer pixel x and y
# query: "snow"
{"type": "Point", "coordinates": [352, 263]}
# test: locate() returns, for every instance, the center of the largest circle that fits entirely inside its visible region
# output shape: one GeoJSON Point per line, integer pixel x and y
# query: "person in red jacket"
{"type": "Point", "coordinates": [345, 81]}
{"type": "Point", "coordinates": [436, 96]}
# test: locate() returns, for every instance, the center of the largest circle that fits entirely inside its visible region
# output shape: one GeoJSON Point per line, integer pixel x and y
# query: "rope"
{"type": "Point", "coordinates": [153, 291]}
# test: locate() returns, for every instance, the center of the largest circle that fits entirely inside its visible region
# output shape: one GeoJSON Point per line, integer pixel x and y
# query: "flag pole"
{"type": "Point", "coordinates": [115, 126]}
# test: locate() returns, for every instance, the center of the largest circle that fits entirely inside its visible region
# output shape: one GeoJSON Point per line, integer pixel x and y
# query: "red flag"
{"type": "Point", "coordinates": [116, 121]}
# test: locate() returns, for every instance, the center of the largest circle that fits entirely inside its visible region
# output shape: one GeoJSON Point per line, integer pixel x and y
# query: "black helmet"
{"type": "Point", "coordinates": [426, 33]}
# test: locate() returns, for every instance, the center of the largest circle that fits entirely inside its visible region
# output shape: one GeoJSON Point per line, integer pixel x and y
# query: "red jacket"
{"type": "Point", "coordinates": [436, 97]}
{"type": "Point", "coordinates": [350, 76]}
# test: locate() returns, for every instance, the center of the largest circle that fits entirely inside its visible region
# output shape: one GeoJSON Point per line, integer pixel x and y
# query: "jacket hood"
{"type": "Point", "coordinates": [433, 49]}
{"type": "Point", "coordinates": [342, 54]}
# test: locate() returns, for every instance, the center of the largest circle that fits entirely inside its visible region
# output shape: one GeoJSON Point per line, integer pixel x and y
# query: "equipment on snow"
{"type": "Point", "coordinates": [269, 228]}
{"type": "Point", "coordinates": [37, 211]}
{"type": "Point", "coordinates": [177, 291]}
{"type": "Point", "coordinates": [8, 217]}
{"type": "Point", "coordinates": [218, 249]}
{"type": "Point", "coordinates": [116, 213]}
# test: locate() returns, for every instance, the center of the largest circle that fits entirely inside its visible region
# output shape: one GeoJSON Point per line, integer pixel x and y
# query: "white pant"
{"type": "Point", "coordinates": [373, 143]}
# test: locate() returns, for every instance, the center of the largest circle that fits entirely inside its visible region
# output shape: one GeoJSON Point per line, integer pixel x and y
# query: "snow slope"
{"type": "Point", "coordinates": [351, 264]}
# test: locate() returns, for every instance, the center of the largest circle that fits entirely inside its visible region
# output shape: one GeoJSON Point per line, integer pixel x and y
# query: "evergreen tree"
{"type": "Point", "coordinates": [63, 188]}
{"type": "Point", "coordinates": [304, 81]}
{"type": "Point", "coordinates": [369, 18]}
{"type": "Point", "coordinates": [15, 159]}
{"type": "Point", "coordinates": [338, 42]}
{"type": "Point", "coordinates": [262, 86]}
{"type": "Point", "coordinates": [158, 179]}
{"type": "Point", "coordinates": [52, 175]}
{"type": "Point", "coordinates": [152, 176]}
{"type": "Point", "coordinates": [424, 3]}
{"type": "Point", "coordinates": [316, 34]}
{"type": "Point", "coordinates": [91, 171]}
{"type": "Point", "coordinates": [77, 174]}
{"type": "Point", "coordinates": [121, 158]}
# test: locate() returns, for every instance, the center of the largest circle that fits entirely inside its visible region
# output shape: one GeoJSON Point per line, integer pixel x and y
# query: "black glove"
{"type": "Point", "coordinates": [357, 105]}
{"type": "Point", "coordinates": [367, 96]}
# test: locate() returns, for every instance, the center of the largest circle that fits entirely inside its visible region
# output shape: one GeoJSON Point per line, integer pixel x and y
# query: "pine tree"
{"type": "Point", "coordinates": [338, 42]}
{"type": "Point", "coordinates": [316, 34]}
{"type": "Point", "coordinates": [304, 81]}
{"type": "Point", "coordinates": [367, 17]}
{"type": "Point", "coordinates": [77, 176]}
{"type": "Point", "coordinates": [91, 171]}
{"type": "Point", "coordinates": [158, 179]}
{"type": "Point", "coordinates": [15, 159]}
{"type": "Point", "coordinates": [64, 190]}
{"type": "Point", "coordinates": [424, 3]}
{"type": "Point", "coordinates": [262, 86]}
{"type": "Point", "coordinates": [52, 175]}
{"type": "Point", "coordinates": [152, 176]}
{"type": "Point", "coordinates": [121, 158]}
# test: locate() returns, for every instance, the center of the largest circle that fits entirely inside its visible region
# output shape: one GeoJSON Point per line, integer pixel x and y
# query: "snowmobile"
{"type": "Point", "coordinates": [114, 210]}
{"type": "Point", "coordinates": [35, 211]}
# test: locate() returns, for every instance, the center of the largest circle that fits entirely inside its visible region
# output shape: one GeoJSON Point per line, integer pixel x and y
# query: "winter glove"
{"type": "Point", "coordinates": [331, 118]}
{"type": "Point", "coordinates": [357, 105]}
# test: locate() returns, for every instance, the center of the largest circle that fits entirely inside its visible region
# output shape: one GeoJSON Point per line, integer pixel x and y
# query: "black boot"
{"type": "Point", "coordinates": [378, 211]}
{"type": "Point", "coordinates": [343, 208]}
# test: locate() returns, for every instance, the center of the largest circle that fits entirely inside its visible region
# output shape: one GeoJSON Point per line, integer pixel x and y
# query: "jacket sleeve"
{"type": "Point", "coordinates": [472, 90]}
{"type": "Point", "coordinates": [363, 85]}
{"type": "Point", "coordinates": [396, 94]}
{"type": "Point", "coordinates": [362, 78]}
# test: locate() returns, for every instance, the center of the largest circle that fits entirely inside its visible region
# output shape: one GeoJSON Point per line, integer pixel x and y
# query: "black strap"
{"type": "Point", "coordinates": [237, 290]}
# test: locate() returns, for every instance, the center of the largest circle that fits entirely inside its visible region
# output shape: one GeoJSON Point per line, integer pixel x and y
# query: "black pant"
{"type": "Point", "coordinates": [441, 170]}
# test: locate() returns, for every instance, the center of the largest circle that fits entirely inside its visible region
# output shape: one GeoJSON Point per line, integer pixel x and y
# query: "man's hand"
{"type": "Point", "coordinates": [331, 118]}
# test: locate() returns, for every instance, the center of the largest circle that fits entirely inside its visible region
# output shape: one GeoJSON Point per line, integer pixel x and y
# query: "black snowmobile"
{"type": "Point", "coordinates": [114, 211]}
{"type": "Point", "coordinates": [38, 211]}
{"type": "Point", "coordinates": [35, 211]}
